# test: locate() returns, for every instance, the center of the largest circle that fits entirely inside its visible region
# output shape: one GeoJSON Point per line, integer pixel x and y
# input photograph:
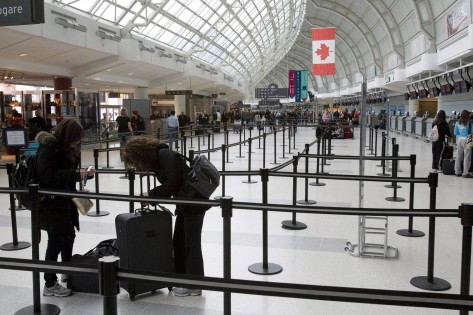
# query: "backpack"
{"type": "Point", "coordinates": [203, 175]}
{"type": "Point", "coordinates": [434, 134]}
{"type": "Point", "coordinates": [23, 175]}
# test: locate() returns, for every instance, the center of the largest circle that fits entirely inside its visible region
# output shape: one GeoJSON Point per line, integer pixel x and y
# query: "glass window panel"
{"type": "Point", "coordinates": [123, 3]}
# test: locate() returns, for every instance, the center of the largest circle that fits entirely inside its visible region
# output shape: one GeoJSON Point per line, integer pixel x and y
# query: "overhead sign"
{"type": "Point", "coordinates": [21, 12]}
{"type": "Point", "coordinates": [272, 91]}
{"type": "Point", "coordinates": [179, 92]}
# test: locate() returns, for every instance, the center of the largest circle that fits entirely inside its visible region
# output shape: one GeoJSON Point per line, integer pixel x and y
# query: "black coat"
{"type": "Point", "coordinates": [55, 171]}
{"type": "Point", "coordinates": [171, 172]}
{"type": "Point", "coordinates": [443, 129]}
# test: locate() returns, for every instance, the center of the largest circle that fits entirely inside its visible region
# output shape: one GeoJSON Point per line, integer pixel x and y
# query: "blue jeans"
{"type": "Point", "coordinates": [172, 136]}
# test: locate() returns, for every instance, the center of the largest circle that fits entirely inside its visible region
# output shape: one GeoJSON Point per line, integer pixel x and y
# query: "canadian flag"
{"type": "Point", "coordinates": [323, 51]}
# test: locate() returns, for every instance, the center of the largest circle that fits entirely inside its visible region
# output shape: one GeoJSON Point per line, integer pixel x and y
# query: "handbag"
{"type": "Point", "coordinates": [83, 204]}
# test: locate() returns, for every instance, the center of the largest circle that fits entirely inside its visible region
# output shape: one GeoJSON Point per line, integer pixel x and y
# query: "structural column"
{"type": "Point", "coordinates": [180, 104]}
{"type": "Point", "coordinates": [141, 93]}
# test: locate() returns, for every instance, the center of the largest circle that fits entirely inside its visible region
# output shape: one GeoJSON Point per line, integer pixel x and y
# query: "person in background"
{"type": "Point", "coordinates": [437, 146]}
{"type": "Point", "coordinates": [123, 124]}
{"type": "Point", "coordinates": [462, 129]}
{"type": "Point", "coordinates": [36, 124]}
{"type": "Point", "coordinates": [137, 123]}
{"type": "Point", "coordinates": [173, 126]}
{"type": "Point", "coordinates": [58, 160]}
{"type": "Point", "coordinates": [149, 155]}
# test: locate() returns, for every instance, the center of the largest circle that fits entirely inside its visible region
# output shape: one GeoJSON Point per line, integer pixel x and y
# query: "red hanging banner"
{"type": "Point", "coordinates": [323, 51]}
{"type": "Point", "coordinates": [292, 83]}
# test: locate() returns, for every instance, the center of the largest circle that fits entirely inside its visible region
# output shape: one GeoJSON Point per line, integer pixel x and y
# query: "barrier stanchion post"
{"type": "Point", "coordinates": [131, 188]}
{"type": "Point", "coordinates": [97, 212]}
{"type": "Point", "coordinates": [430, 282]}
{"type": "Point", "coordinates": [226, 203]}
{"type": "Point", "coordinates": [394, 183]}
{"type": "Point", "coordinates": [249, 181]}
{"type": "Point", "coordinates": [222, 181]}
{"type": "Point", "coordinates": [394, 169]}
{"type": "Point", "coordinates": [228, 148]}
{"type": "Point", "coordinates": [208, 146]}
{"type": "Point", "coordinates": [410, 232]}
{"type": "Point", "coordinates": [239, 145]}
{"type": "Point", "coordinates": [466, 215]}
{"type": "Point", "coordinates": [15, 245]}
{"type": "Point", "coordinates": [275, 148]}
{"type": "Point", "coordinates": [317, 182]}
{"type": "Point", "coordinates": [108, 283]}
{"type": "Point", "coordinates": [244, 133]}
{"type": "Point", "coordinates": [294, 138]}
{"type": "Point", "coordinates": [264, 149]}
{"type": "Point", "coordinates": [265, 268]}
{"type": "Point", "coordinates": [107, 145]}
{"type": "Point", "coordinates": [289, 131]}
{"type": "Point", "coordinates": [259, 135]}
{"type": "Point", "coordinates": [294, 224]}
{"type": "Point", "coordinates": [283, 143]}
{"type": "Point", "coordinates": [192, 137]}
{"type": "Point", "coordinates": [37, 307]}
{"type": "Point", "coordinates": [383, 155]}
{"type": "Point", "coordinates": [306, 200]}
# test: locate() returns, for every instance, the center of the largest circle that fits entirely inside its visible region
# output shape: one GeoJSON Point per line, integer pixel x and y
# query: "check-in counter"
{"type": "Point", "coordinates": [420, 127]}
{"type": "Point", "coordinates": [428, 126]}
{"type": "Point", "coordinates": [393, 123]}
{"type": "Point", "coordinates": [398, 124]}
{"type": "Point", "coordinates": [402, 122]}
{"type": "Point", "coordinates": [410, 126]}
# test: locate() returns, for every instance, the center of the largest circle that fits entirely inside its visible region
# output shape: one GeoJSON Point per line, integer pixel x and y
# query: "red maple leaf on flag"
{"type": "Point", "coordinates": [323, 51]}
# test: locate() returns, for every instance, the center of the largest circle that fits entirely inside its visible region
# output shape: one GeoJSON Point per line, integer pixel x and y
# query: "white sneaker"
{"type": "Point", "coordinates": [181, 292]}
{"type": "Point", "coordinates": [56, 290]}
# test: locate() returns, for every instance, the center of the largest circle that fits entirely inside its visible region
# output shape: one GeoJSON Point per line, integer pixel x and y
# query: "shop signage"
{"type": "Point", "coordinates": [178, 92]}
{"type": "Point", "coordinates": [21, 12]}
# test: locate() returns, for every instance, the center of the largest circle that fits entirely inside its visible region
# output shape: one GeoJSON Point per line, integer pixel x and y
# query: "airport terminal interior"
{"type": "Point", "coordinates": [395, 64]}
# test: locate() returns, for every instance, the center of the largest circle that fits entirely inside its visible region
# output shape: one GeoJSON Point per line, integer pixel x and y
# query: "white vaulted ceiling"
{"type": "Point", "coordinates": [254, 42]}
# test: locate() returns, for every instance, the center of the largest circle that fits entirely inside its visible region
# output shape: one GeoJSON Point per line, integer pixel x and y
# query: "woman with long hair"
{"type": "Point", "coordinates": [437, 146]}
{"type": "Point", "coordinates": [147, 154]}
{"type": "Point", "coordinates": [57, 167]}
{"type": "Point", "coordinates": [463, 128]}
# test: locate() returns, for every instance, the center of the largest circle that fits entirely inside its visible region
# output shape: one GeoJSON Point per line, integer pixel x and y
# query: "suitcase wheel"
{"type": "Point", "coordinates": [132, 297]}
{"type": "Point", "coordinates": [170, 289]}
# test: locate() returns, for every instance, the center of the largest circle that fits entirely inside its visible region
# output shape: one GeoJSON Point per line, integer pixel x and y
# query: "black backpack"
{"type": "Point", "coordinates": [23, 175]}
{"type": "Point", "coordinates": [203, 175]}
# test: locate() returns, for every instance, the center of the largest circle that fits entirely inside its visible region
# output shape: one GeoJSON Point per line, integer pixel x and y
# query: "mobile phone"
{"type": "Point", "coordinates": [87, 176]}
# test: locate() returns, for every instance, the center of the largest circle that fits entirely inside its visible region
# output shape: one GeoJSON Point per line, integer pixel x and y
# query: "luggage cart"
{"type": "Point", "coordinates": [372, 225]}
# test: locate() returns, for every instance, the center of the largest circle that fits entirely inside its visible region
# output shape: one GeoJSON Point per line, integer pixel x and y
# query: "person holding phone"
{"type": "Point", "coordinates": [57, 167]}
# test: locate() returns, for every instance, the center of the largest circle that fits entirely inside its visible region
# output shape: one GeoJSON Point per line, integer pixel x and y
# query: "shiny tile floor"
{"type": "Point", "coordinates": [311, 256]}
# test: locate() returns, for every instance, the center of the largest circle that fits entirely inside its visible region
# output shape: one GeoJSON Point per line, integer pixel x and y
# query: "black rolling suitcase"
{"type": "Point", "coordinates": [144, 241]}
{"type": "Point", "coordinates": [448, 167]}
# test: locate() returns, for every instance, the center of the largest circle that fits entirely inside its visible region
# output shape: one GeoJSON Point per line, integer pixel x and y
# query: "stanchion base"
{"type": "Point", "coordinates": [107, 167]}
{"type": "Point", "coordinates": [437, 284]}
{"type": "Point", "coordinates": [306, 202]}
{"type": "Point", "coordinates": [395, 199]}
{"type": "Point", "coordinates": [275, 163]}
{"type": "Point", "coordinates": [249, 181]}
{"type": "Point", "coordinates": [123, 177]}
{"type": "Point", "coordinates": [326, 164]}
{"type": "Point", "coordinates": [379, 165]}
{"type": "Point", "coordinates": [283, 157]}
{"type": "Point", "coordinates": [258, 268]}
{"type": "Point", "coordinates": [407, 233]}
{"type": "Point", "coordinates": [11, 246]}
{"type": "Point", "coordinates": [49, 309]}
{"type": "Point", "coordinates": [317, 184]}
{"type": "Point", "coordinates": [240, 156]}
{"type": "Point", "coordinates": [385, 175]}
{"type": "Point", "coordinates": [392, 186]}
{"type": "Point", "coordinates": [18, 208]}
{"type": "Point", "coordinates": [100, 214]}
{"type": "Point", "coordinates": [291, 225]}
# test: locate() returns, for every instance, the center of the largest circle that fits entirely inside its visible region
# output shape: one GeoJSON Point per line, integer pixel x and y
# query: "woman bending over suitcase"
{"type": "Point", "coordinates": [57, 167]}
{"type": "Point", "coordinates": [149, 155]}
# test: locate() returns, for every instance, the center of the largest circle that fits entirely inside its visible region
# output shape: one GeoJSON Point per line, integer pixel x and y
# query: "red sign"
{"type": "Point", "coordinates": [292, 83]}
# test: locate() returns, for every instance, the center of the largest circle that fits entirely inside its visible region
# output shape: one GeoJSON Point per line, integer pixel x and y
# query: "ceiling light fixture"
{"type": "Point", "coordinates": [23, 55]}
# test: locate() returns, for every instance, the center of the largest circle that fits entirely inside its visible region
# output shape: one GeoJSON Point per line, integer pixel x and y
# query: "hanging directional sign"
{"type": "Point", "coordinates": [178, 92]}
{"type": "Point", "coordinates": [21, 12]}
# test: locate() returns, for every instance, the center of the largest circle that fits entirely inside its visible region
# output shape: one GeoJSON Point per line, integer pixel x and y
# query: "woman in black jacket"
{"type": "Point", "coordinates": [147, 154]}
{"type": "Point", "coordinates": [437, 146]}
{"type": "Point", "coordinates": [57, 168]}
